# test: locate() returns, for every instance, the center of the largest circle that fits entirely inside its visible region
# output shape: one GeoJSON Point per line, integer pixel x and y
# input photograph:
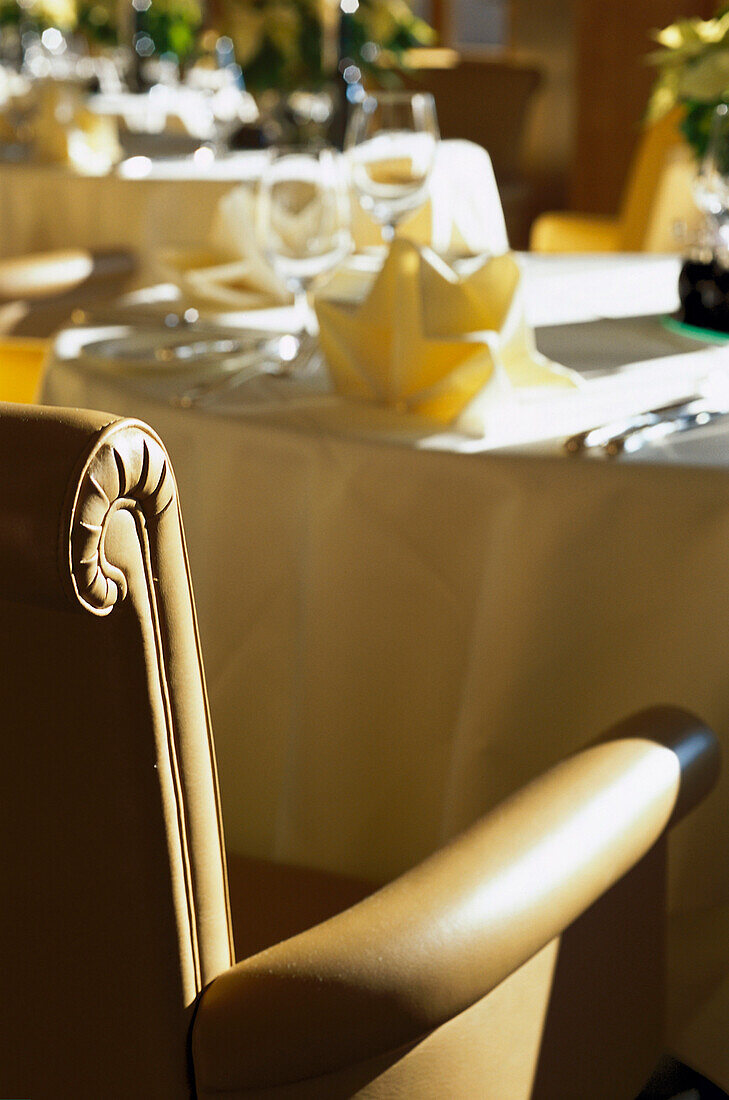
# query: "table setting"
{"type": "Point", "coordinates": [400, 309]}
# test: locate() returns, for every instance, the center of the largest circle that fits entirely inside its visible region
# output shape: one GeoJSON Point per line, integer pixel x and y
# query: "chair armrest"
{"type": "Point", "coordinates": [568, 232]}
{"type": "Point", "coordinates": [42, 451]}
{"type": "Point", "coordinates": [439, 938]}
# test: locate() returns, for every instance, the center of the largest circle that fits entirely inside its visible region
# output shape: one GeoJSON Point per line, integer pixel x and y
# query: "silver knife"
{"type": "Point", "coordinates": [697, 416]}
{"type": "Point", "coordinates": [616, 429]}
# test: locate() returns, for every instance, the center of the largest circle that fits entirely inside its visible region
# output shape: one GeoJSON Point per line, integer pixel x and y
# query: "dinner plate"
{"type": "Point", "coordinates": [196, 348]}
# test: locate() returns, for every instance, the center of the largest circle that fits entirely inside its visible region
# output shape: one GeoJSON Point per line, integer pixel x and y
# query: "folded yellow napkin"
{"type": "Point", "coordinates": [229, 272]}
{"type": "Point", "coordinates": [463, 214]}
{"type": "Point", "coordinates": [423, 338]}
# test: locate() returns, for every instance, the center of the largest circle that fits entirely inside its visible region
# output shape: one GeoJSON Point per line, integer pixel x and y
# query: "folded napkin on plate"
{"type": "Point", "coordinates": [426, 339]}
{"type": "Point", "coordinates": [230, 272]}
{"type": "Point", "coordinates": [463, 214]}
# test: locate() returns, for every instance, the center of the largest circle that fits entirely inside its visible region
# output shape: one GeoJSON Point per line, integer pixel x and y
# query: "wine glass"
{"type": "Point", "coordinates": [711, 186]}
{"type": "Point", "coordinates": [303, 218]}
{"type": "Point", "coordinates": [390, 141]}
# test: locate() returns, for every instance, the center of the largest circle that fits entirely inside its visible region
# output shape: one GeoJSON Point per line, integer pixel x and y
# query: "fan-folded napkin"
{"type": "Point", "coordinates": [425, 339]}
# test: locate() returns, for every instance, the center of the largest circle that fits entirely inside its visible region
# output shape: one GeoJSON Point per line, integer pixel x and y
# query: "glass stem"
{"type": "Point", "coordinates": [304, 313]}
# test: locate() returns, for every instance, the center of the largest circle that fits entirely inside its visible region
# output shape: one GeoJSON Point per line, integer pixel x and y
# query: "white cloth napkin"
{"type": "Point", "coordinates": [231, 271]}
{"type": "Point", "coordinates": [463, 214]}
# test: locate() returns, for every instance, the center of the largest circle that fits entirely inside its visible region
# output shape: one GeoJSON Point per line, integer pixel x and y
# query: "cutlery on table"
{"type": "Point", "coordinates": [602, 435]}
{"type": "Point", "coordinates": [697, 414]}
{"type": "Point", "coordinates": [283, 355]}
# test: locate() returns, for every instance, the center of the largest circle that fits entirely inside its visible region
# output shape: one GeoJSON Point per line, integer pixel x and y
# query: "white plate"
{"type": "Point", "coordinates": [198, 348]}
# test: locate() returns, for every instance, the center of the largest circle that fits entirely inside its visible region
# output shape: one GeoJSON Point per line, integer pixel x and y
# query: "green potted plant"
{"type": "Point", "coordinates": [693, 74]}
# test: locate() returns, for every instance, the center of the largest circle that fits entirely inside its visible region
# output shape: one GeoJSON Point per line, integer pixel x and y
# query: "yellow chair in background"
{"type": "Point", "coordinates": [21, 366]}
{"type": "Point", "coordinates": [656, 210]}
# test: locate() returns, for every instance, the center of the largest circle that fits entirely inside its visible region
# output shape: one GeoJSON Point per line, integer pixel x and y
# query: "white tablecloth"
{"type": "Point", "coordinates": [396, 634]}
{"type": "Point", "coordinates": [146, 205]}
{"type": "Point", "coordinates": [142, 204]}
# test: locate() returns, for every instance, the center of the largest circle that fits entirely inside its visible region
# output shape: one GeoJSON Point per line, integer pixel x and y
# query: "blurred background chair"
{"type": "Point", "coordinates": [485, 98]}
{"type": "Point", "coordinates": [523, 960]}
{"type": "Point", "coordinates": [656, 212]}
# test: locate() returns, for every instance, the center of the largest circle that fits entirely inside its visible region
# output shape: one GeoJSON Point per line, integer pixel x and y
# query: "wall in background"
{"type": "Point", "coordinates": [480, 23]}
{"type": "Point", "coordinates": [467, 22]}
{"type": "Point", "coordinates": [612, 83]}
{"type": "Point", "coordinates": [586, 117]}
{"type": "Point", "coordinates": [543, 30]}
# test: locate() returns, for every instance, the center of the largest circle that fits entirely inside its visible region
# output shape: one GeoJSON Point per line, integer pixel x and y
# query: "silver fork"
{"type": "Point", "coordinates": [285, 356]}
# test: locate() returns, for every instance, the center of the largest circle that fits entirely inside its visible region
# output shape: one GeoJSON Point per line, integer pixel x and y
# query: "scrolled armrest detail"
{"type": "Point", "coordinates": [127, 468]}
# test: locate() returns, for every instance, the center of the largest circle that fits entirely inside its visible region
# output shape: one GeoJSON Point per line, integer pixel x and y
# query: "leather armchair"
{"type": "Point", "coordinates": [525, 959]}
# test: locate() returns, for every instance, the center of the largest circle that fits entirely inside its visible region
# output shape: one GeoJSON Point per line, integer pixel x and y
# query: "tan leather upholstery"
{"type": "Point", "coordinates": [410, 959]}
{"type": "Point", "coordinates": [114, 914]}
{"type": "Point", "coordinates": [527, 952]}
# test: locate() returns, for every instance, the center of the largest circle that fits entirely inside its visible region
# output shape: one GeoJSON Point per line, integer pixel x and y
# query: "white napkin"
{"type": "Point", "coordinates": [230, 272]}
{"type": "Point", "coordinates": [463, 214]}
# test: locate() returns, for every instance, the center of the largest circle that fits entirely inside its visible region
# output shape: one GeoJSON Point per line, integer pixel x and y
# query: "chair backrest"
{"type": "Point", "coordinates": [114, 914]}
{"type": "Point", "coordinates": [485, 99]}
{"type": "Point", "coordinates": [657, 194]}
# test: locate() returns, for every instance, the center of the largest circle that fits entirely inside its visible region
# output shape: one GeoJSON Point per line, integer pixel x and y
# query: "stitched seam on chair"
{"type": "Point", "coordinates": [101, 438]}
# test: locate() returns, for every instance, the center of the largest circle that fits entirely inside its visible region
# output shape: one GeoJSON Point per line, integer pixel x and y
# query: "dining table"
{"type": "Point", "coordinates": [402, 622]}
{"type": "Point", "coordinates": [143, 203]}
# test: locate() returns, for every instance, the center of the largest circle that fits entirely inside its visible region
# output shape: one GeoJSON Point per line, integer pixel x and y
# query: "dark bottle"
{"type": "Point", "coordinates": [703, 289]}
